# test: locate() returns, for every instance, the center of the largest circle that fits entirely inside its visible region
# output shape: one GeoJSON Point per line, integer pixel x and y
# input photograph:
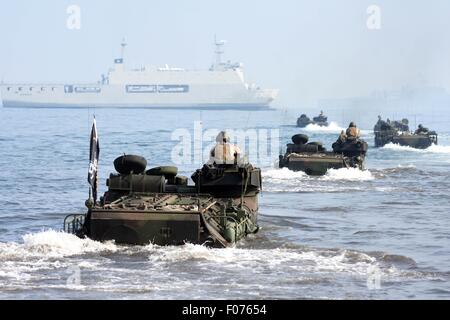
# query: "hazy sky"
{"type": "Point", "coordinates": [309, 49]}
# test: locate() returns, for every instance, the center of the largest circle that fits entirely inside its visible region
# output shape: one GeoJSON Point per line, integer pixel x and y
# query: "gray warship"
{"type": "Point", "coordinates": [398, 132]}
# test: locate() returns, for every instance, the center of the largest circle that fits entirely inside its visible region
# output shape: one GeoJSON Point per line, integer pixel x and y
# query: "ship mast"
{"type": "Point", "coordinates": [118, 63]}
{"type": "Point", "coordinates": [122, 49]}
{"type": "Point", "coordinates": [219, 51]}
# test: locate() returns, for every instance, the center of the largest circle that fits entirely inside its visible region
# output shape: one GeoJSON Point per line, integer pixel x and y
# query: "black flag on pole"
{"type": "Point", "coordinates": [93, 160]}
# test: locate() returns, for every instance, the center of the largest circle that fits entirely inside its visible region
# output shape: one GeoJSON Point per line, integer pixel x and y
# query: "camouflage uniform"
{"type": "Point", "coordinates": [224, 152]}
{"type": "Point", "coordinates": [352, 131]}
{"type": "Point", "coordinates": [342, 137]}
{"type": "Point", "coordinates": [421, 129]}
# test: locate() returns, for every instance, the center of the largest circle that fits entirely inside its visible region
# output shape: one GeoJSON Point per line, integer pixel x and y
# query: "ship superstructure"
{"type": "Point", "coordinates": [221, 86]}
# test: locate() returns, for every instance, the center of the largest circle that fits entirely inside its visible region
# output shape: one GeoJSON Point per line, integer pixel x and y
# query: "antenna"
{"type": "Point", "coordinates": [219, 51]}
{"type": "Point", "coordinates": [123, 44]}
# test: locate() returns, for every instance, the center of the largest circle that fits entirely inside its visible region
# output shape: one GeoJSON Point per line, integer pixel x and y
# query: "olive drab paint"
{"type": "Point", "coordinates": [398, 132]}
{"type": "Point", "coordinates": [159, 206]}
{"type": "Point", "coordinates": [313, 159]}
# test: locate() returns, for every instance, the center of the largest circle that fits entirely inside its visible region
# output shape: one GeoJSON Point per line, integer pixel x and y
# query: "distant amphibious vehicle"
{"type": "Point", "coordinates": [314, 159]}
{"type": "Point", "coordinates": [320, 120]}
{"type": "Point", "coordinates": [398, 132]}
{"type": "Point", "coordinates": [158, 206]}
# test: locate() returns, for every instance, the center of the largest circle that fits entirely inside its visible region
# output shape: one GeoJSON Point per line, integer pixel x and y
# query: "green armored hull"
{"type": "Point", "coordinates": [313, 159]}
{"type": "Point", "coordinates": [397, 132]}
{"type": "Point", "coordinates": [159, 207]}
{"type": "Point", "coordinates": [418, 141]}
{"type": "Point", "coordinates": [304, 120]}
{"type": "Point", "coordinates": [315, 164]}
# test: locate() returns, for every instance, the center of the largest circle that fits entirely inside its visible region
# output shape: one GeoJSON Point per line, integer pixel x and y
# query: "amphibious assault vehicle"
{"type": "Point", "coordinates": [314, 159]}
{"type": "Point", "coordinates": [159, 206]}
{"type": "Point", "coordinates": [304, 120]}
{"type": "Point", "coordinates": [397, 132]}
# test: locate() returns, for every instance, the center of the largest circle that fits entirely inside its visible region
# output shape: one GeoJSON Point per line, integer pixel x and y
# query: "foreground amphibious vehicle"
{"type": "Point", "coordinates": [314, 159]}
{"type": "Point", "coordinates": [397, 132]}
{"type": "Point", "coordinates": [159, 206]}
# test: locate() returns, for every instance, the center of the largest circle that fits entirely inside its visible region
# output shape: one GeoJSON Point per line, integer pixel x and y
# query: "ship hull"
{"type": "Point", "coordinates": [50, 105]}
{"type": "Point", "coordinates": [176, 96]}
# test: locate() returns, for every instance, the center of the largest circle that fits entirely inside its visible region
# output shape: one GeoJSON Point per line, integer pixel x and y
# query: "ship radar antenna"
{"type": "Point", "coordinates": [219, 50]}
{"type": "Point", "coordinates": [123, 44]}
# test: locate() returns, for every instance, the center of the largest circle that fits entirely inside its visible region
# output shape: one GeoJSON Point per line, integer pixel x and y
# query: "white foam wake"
{"type": "Point", "coordinates": [283, 174]}
{"type": "Point", "coordinates": [432, 149]}
{"type": "Point", "coordinates": [32, 265]}
{"type": "Point", "coordinates": [51, 244]}
{"type": "Point", "coordinates": [348, 174]}
{"type": "Point", "coordinates": [343, 174]}
{"type": "Point", "coordinates": [332, 127]}
{"type": "Point", "coordinates": [54, 250]}
{"type": "Point", "coordinates": [257, 259]}
{"type": "Point", "coordinates": [408, 166]}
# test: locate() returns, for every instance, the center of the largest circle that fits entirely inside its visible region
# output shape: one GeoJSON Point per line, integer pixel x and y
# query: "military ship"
{"type": "Point", "coordinates": [159, 206]}
{"type": "Point", "coordinates": [398, 132]}
{"type": "Point", "coordinates": [313, 159]}
{"type": "Point", "coordinates": [320, 120]}
{"type": "Point", "coordinates": [223, 86]}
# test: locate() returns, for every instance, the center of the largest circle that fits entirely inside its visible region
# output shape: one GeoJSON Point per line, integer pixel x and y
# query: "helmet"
{"type": "Point", "coordinates": [405, 121]}
{"type": "Point", "coordinates": [352, 125]}
{"type": "Point", "coordinates": [223, 136]}
{"type": "Point", "coordinates": [420, 126]}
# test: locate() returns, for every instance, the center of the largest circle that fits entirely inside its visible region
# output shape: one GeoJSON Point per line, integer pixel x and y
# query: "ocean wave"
{"type": "Point", "coordinates": [335, 180]}
{"type": "Point", "coordinates": [288, 260]}
{"type": "Point", "coordinates": [283, 174]}
{"type": "Point", "coordinates": [398, 260]}
{"type": "Point", "coordinates": [406, 166]}
{"type": "Point", "coordinates": [343, 174]}
{"type": "Point", "coordinates": [44, 261]}
{"type": "Point", "coordinates": [332, 127]}
{"type": "Point", "coordinates": [431, 149]}
{"type": "Point", "coordinates": [239, 258]}
{"type": "Point", "coordinates": [30, 260]}
{"type": "Point", "coordinates": [52, 244]}
{"type": "Point", "coordinates": [54, 249]}
{"type": "Point", "coordinates": [402, 169]}
{"type": "Point", "coordinates": [348, 174]}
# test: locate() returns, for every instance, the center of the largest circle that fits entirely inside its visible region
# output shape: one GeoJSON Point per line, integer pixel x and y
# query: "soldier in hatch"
{"type": "Point", "coordinates": [322, 116]}
{"type": "Point", "coordinates": [224, 152]}
{"type": "Point", "coordinates": [352, 131]}
{"type": "Point", "coordinates": [421, 130]}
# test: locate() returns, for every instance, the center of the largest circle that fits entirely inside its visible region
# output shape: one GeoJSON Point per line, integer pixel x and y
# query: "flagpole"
{"type": "Point", "coordinates": [94, 193]}
{"type": "Point", "coordinates": [93, 163]}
